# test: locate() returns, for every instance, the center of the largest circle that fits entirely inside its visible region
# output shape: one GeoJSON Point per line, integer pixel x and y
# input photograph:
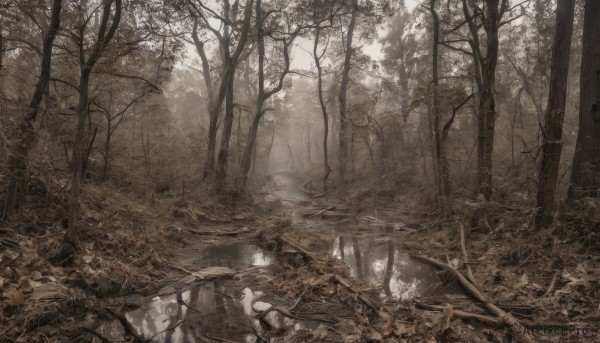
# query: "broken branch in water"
{"type": "Point", "coordinates": [504, 316]}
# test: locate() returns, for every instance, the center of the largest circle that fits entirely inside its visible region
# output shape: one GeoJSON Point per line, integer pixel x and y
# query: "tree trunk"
{"type": "Point", "coordinates": [106, 152]}
{"type": "Point", "coordinates": [250, 146]}
{"type": "Point", "coordinates": [78, 155]}
{"type": "Point", "coordinates": [221, 174]}
{"type": "Point", "coordinates": [226, 89]}
{"type": "Point", "coordinates": [343, 100]}
{"type": "Point", "coordinates": [585, 176]}
{"type": "Point", "coordinates": [317, 59]}
{"type": "Point", "coordinates": [486, 82]}
{"type": "Point", "coordinates": [555, 112]}
{"type": "Point", "coordinates": [441, 163]}
{"type": "Point", "coordinates": [19, 150]}
{"type": "Point", "coordinates": [269, 149]}
{"type": "Point", "coordinates": [209, 165]}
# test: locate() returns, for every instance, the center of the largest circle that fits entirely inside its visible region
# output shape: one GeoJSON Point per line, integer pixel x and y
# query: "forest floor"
{"type": "Point", "coordinates": [291, 265]}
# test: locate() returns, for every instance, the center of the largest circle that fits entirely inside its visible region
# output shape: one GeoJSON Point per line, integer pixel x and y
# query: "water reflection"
{"type": "Point", "coordinates": [211, 310]}
{"type": "Point", "coordinates": [236, 256]}
{"type": "Point", "coordinates": [384, 264]}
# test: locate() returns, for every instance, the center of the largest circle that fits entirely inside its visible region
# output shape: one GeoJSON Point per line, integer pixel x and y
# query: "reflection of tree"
{"type": "Point", "coordinates": [389, 269]}
{"type": "Point", "coordinates": [358, 258]}
{"type": "Point", "coordinates": [342, 248]}
{"type": "Point", "coordinates": [175, 319]}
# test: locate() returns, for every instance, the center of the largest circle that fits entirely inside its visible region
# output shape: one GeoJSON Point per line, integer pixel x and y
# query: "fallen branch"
{"type": "Point", "coordinates": [220, 233]}
{"type": "Point", "coordinates": [318, 195]}
{"type": "Point", "coordinates": [504, 316]}
{"type": "Point", "coordinates": [463, 314]}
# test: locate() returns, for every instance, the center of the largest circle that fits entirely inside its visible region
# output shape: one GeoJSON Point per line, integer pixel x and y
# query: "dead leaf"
{"type": "Point", "coordinates": [25, 285]}
{"type": "Point", "coordinates": [1, 282]}
{"type": "Point", "coordinates": [13, 297]}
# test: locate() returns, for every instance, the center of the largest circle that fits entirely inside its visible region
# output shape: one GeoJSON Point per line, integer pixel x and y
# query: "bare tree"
{"type": "Point", "coordinates": [342, 99]}
{"type": "Point", "coordinates": [19, 149]}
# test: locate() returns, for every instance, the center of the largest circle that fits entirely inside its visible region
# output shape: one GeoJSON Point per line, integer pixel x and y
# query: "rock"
{"type": "Point", "coordinates": [36, 276]}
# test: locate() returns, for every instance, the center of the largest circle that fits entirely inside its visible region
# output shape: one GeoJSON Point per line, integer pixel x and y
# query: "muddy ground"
{"type": "Point", "coordinates": [291, 265]}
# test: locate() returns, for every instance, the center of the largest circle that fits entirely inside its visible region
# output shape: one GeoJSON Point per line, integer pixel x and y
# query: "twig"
{"type": "Point", "coordinates": [330, 208]}
{"type": "Point", "coordinates": [219, 339]}
{"type": "Point", "coordinates": [299, 298]}
{"type": "Point", "coordinates": [552, 285]}
{"type": "Point", "coordinates": [318, 195]}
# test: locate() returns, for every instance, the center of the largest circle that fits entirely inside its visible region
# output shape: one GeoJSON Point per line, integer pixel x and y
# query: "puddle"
{"type": "Point", "coordinates": [223, 311]}
{"type": "Point", "coordinates": [380, 262]}
{"type": "Point", "coordinates": [236, 256]}
{"type": "Point", "coordinates": [214, 310]}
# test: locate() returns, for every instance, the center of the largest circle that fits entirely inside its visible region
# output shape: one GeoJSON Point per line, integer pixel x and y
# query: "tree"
{"type": "Point", "coordinates": [585, 175]}
{"type": "Point", "coordinates": [555, 112]}
{"type": "Point", "coordinates": [19, 149]}
{"type": "Point", "coordinates": [319, 28]}
{"type": "Point", "coordinates": [342, 99]}
{"type": "Point", "coordinates": [441, 167]}
{"type": "Point", "coordinates": [86, 64]}
{"type": "Point", "coordinates": [485, 60]}
{"type": "Point", "coordinates": [286, 41]}
{"type": "Point", "coordinates": [226, 78]}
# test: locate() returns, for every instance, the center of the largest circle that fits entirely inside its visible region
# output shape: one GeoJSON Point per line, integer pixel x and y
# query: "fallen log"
{"type": "Point", "coordinates": [504, 317]}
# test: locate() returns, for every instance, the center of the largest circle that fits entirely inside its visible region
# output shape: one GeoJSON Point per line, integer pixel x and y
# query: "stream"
{"type": "Point", "coordinates": [229, 310]}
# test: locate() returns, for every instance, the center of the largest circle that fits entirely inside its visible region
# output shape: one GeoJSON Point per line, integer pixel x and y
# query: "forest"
{"type": "Point", "coordinates": [299, 171]}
